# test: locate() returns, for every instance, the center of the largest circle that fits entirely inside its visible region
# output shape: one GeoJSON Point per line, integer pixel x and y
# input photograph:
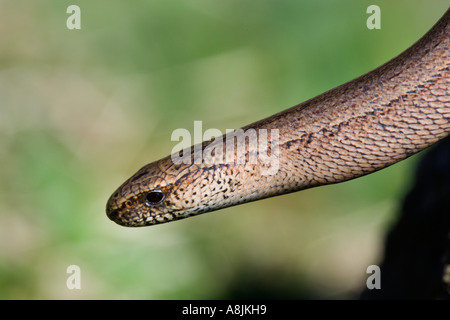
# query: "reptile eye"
{"type": "Point", "coordinates": [154, 198]}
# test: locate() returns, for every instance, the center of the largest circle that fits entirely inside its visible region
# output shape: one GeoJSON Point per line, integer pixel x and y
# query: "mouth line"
{"type": "Point", "coordinates": [118, 217]}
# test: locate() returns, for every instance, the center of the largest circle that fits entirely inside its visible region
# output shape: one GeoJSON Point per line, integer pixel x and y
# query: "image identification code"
{"type": "Point", "coordinates": [237, 309]}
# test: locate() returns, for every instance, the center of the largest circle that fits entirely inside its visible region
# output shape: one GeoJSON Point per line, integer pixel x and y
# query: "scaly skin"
{"type": "Point", "coordinates": [360, 127]}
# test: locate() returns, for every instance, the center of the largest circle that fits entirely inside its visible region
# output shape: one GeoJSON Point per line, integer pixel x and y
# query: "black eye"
{"type": "Point", "coordinates": [154, 197]}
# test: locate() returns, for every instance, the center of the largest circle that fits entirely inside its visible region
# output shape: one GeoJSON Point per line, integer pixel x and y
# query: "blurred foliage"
{"type": "Point", "coordinates": [82, 110]}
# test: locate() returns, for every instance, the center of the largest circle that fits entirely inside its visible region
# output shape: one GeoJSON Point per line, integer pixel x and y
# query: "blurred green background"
{"type": "Point", "coordinates": [82, 110]}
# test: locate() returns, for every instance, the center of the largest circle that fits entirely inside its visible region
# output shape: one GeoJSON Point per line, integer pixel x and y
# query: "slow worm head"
{"type": "Point", "coordinates": [367, 124]}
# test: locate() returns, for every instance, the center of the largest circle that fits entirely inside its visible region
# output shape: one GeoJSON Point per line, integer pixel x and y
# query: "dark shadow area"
{"type": "Point", "coordinates": [417, 250]}
{"type": "Point", "coordinates": [254, 283]}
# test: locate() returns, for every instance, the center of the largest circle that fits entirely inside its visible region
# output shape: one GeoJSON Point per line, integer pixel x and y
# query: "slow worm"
{"type": "Point", "coordinates": [362, 126]}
